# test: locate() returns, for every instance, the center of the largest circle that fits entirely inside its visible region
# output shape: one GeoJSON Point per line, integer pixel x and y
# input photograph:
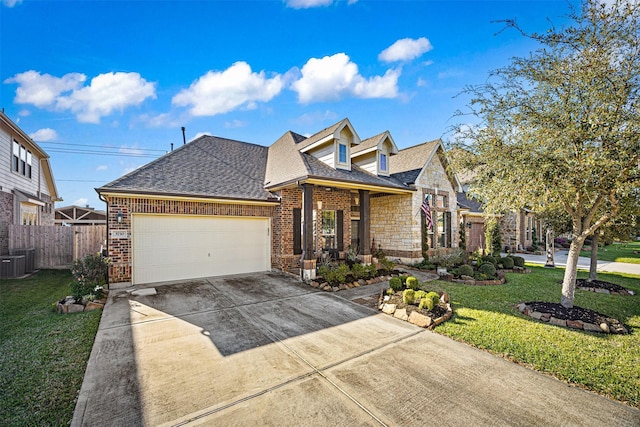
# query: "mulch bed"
{"type": "Point", "coordinates": [602, 286]}
{"type": "Point", "coordinates": [575, 317]}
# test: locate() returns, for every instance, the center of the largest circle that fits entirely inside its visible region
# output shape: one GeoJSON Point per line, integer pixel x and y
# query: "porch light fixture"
{"type": "Point", "coordinates": [119, 217]}
{"type": "Point", "coordinates": [319, 205]}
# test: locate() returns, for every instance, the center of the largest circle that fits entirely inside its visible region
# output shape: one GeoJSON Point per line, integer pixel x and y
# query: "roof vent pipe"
{"type": "Point", "coordinates": [172, 146]}
{"type": "Point", "coordinates": [184, 138]}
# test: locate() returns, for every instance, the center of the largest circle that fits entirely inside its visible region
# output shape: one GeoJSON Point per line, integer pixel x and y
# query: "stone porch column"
{"type": "Point", "coordinates": [364, 224]}
{"type": "Point", "coordinates": [308, 268]}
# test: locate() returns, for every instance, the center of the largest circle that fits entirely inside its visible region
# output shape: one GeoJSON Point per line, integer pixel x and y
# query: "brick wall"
{"type": "Point", "coordinates": [6, 218]}
{"type": "Point", "coordinates": [120, 249]}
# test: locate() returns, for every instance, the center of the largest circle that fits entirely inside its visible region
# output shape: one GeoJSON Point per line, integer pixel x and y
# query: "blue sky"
{"type": "Point", "coordinates": [104, 86]}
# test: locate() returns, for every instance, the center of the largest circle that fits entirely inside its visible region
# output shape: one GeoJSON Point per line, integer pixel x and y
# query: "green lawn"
{"type": "Point", "coordinates": [620, 252]}
{"type": "Point", "coordinates": [43, 355]}
{"type": "Point", "coordinates": [486, 317]}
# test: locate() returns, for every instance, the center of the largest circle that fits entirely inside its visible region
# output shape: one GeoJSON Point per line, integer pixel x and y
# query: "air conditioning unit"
{"type": "Point", "coordinates": [29, 258]}
{"type": "Point", "coordinates": [12, 266]}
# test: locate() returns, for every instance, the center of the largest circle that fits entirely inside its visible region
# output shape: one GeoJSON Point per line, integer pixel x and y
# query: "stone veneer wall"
{"type": "Point", "coordinates": [394, 227]}
{"type": "Point", "coordinates": [6, 218]}
{"type": "Point", "coordinates": [120, 249]}
{"type": "Point", "coordinates": [509, 230]}
{"type": "Point", "coordinates": [47, 213]}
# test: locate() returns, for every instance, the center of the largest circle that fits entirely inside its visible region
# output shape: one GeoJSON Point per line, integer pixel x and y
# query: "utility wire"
{"type": "Point", "coordinates": [103, 147]}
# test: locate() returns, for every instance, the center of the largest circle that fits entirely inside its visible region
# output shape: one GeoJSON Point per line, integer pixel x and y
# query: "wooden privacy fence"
{"type": "Point", "coordinates": [56, 246]}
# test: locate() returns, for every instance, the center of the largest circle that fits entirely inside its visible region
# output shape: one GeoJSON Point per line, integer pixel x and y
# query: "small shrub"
{"type": "Point", "coordinates": [412, 283]}
{"type": "Point", "coordinates": [488, 269]}
{"type": "Point", "coordinates": [434, 297]}
{"type": "Point", "coordinates": [408, 296]}
{"type": "Point", "coordinates": [480, 276]}
{"type": "Point", "coordinates": [390, 291]}
{"type": "Point", "coordinates": [420, 294]}
{"type": "Point", "coordinates": [395, 283]}
{"type": "Point", "coordinates": [426, 304]}
{"type": "Point", "coordinates": [490, 259]}
{"type": "Point", "coordinates": [387, 265]}
{"type": "Point", "coordinates": [465, 270]}
{"type": "Point", "coordinates": [372, 271]}
{"type": "Point", "coordinates": [89, 276]}
{"type": "Point", "coordinates": [507, 262]}
{"type": "Point", "coordinates": [518, 261]}
{"type": "Point", "coordinates": [359, 271]}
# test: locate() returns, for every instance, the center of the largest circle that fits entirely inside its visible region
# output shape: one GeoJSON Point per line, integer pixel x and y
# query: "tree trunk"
{"type": "Point", "coordinates": [593, 266]}
{"type": "Point", "coordinates": [570, 273]}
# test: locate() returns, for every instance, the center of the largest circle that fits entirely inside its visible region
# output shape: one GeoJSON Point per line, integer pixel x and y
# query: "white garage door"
{"type": "Point", "coordinates": [172, 247]}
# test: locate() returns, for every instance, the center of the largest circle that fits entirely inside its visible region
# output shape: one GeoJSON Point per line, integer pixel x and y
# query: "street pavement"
{"type": "Point", "coordinates": [560, 260]}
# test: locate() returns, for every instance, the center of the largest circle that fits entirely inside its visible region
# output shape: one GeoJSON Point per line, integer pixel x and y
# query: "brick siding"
{"type": "Point", "coordinates": [6, 218]}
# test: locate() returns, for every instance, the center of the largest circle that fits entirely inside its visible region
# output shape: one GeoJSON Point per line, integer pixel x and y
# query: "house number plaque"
{"type": "Point", "coordinates": [119, 234]}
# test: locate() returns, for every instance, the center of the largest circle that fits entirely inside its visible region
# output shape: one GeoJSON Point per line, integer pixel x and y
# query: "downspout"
{"type": "Point", "coordinates": [107, 232]}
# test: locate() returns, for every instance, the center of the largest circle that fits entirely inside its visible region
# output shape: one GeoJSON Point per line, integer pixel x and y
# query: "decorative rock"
{"type": "Point", "coordinates": [590, 327]}
{"type": "Point", "coordinates": [342, 287]}
{"type": "Point", "coordinates": [535, 314]}
{"type": "Point", "coordinates": [92, 305]}
{"type": "Point", "coordinates": [576, 324]}
{"type": "Point", "coordinates": [315, 284]}
{"type": "Point", "coordinates": [326, 288]}
{"type": "Point", "coordinates": [355, 284]}
{"type": "Point", "coordinates": [545, 317]}
{"type": "Point", "coordinates": [389, 308]}
{"type": "Point", "coordinates": [401, 314]}
{"type": "Point", "coordinates": [439, 320]}
{"type": "Point", "coordinates": [420, 319]}
{"type": "Point", "coordinates": [557, 322]}
{"type": "Point", "coordinates": [465, 277]}
{"type": "Point", "coordinates": [387, 298]}
{"type": "Point", "coordinates": [74, 308]}
{"type": "Point", "coordinates": [602, 291]}
{"type": "Point", "coordinates": [522, 307]}
{"type": "Point", "coordinates": [335, 289]}
{"type": "Point", "coordinates": [444, 298]}
{"type": "Point", "coordinates": [362, 282]}
{"type": "Point", "coordinates": [604, 327]}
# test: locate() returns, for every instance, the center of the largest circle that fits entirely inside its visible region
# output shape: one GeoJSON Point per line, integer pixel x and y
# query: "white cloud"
{"type": "Point", "coordinates": [102, 168]}
{"type": "Point", "coordinates": [11, 3]}
{"type": "Point", "coordinates": [405, 50]}
{"type": "Point", "coordinates": [308, 119]}
{"type": "Point", "coordinates": [306, 4]}
{"type": "Point", "coordinates": [333, 77]}
{"type": "Point", "coordinates": [105, 94]}
{"type": "Point", "coordinates": [219, 92]}
{"type": "Point", "coordinates": [422, 82]}
{"type": "Point", "coordinates": [44, 135]}
{"type": "Point", "coordinates": [82, 201]}
{"type": "Point", "coordinates": [24, 113]}
{"type": "Point", "coordinates": [43, 90]}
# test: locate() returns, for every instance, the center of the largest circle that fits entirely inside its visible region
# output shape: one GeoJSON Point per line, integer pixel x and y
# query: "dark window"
{"type": "Point", "coordinates": [339, 230]}
{"type": "Point", "coordinates": [16, 156]}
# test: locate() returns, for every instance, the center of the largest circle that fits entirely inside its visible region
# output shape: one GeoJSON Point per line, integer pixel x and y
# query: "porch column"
{"type": "Point", "coordinates": [364, 224]}
{"type": "Point", "coordinates": [309, 261]}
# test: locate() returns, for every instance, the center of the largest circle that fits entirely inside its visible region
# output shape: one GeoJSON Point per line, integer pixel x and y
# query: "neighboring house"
{"type": "Point", "coordinates": [27, 187]}
{"type": "Point", "coordinates": [78, 215]}
{"type": "Point", "coordinates": [516, 228]}
{"type": "Point", "coordinates": [217, 206]}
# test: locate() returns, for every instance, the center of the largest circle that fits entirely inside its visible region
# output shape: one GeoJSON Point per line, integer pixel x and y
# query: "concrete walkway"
{"type": "Point", "coordinates": [266, 350]}
{"type": "Point", "coordinates": [560, 258]}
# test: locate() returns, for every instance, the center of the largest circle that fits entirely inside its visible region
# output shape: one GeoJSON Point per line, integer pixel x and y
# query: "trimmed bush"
{"type": "Point", "coordinates": [372, 270]}
{"type": "Point", "coordinates": [490, 259]}
{"type": "Point", "coordinates": [465, 270]}
{"type": "Point", "coordinates": [404, 279]}
{"type": "Point", "coordinates": [390, 291]}
{"type": "Point", "coordinates": [412, 283]}
{"type": "Point", "coordinates": [434, 297]}
{"type": "Point", "coordinates": [518, 261]}
{"type": "Point", "coordinates": [487, 269]}
{"type": "Point", "coordinates": [359, 271]}
{"type": "Point", "coordinates": [387, 265]}
{"type": "Point", "coordinates": [420, 294]}
{"type": "Point", "coordinates": [395, 283]}
{"type": "Point", "coordinates": [507, 262]}
{"type": "Point", "coordinates": [426, 304]}
{"type": "Point", "coordinates": [408, 296]}
{"type": "Point", "coordinates": [90, 275]}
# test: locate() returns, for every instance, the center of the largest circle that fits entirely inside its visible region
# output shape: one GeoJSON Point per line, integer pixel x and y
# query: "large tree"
{"type": "Point", "coordinates": [561, 127]}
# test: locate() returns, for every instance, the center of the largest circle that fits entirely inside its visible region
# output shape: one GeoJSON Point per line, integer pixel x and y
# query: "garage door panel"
{"type": "Point", "coordinates": [167, 247]}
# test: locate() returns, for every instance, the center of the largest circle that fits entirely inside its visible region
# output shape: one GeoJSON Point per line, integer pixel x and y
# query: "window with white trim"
{"type": "Point", "coordinates": [21, 160]}
{"type": "Point", "coordinates": [342, 153]}
{"type": "Point", "coordinates": [383, 162]}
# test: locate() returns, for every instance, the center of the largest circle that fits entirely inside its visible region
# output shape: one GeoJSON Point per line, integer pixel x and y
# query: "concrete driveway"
{"type": "Point", "coordinates": [266, 350]}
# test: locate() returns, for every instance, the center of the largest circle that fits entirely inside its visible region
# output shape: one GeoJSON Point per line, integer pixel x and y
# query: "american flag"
{"type": "Point", "coordinates": [426, 210]}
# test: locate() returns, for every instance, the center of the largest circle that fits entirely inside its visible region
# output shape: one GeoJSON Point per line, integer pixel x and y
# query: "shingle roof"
{"type": "Point", "coordinates": [469, 203]}
{"type": "Point", "coordinates": [408, 177]}
{"type": "Point", "coordinates": [319, 135]}
{"type": "Point", "coordinates": [367, 143]}
{"type": "Point", "coordinates": [206, 167]}
{"type": "Point", "coordinates": [286, 164]}
{"type": "Point", "coordinates": [413, 158]}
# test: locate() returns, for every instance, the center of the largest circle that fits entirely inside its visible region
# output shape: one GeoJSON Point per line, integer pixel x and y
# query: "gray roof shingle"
{"type": "Point", "coordinates": [413, 158]}
{"type": "Point", "coordinates": [207, 167]}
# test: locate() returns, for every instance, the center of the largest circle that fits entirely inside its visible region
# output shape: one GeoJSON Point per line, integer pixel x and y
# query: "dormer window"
{"type": "Point", "coordinates": [342, 153]}
{"type": "Point", "coordinates": [383, 162]}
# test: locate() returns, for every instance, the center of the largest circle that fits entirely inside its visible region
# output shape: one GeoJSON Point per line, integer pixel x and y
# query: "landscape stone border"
{"type": "Point", "coordinates": [626, 292]}
{"type": "Point", "coordinates": [573, 324]}
{"type": "Point", "coordinates": [324, 286]}
{"type": "Point", "coordinates": [415, 317]}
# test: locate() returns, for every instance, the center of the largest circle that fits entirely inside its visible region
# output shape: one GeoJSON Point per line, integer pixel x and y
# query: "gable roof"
{"type": "Point", "coordinates": [409, 162]}
{"type": "Point", "coordinates": [208, 167]}
{"type": "Point", "coordinates": [332, 131]}
{"type": "Point", "coordinates": [375, 142]}
{"type": "Point", "coordinates": [465, 201]}
{"type": "Point", "coordinates": [286, 165]}
{"type": "Point", "coordinates": [36, 149]}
